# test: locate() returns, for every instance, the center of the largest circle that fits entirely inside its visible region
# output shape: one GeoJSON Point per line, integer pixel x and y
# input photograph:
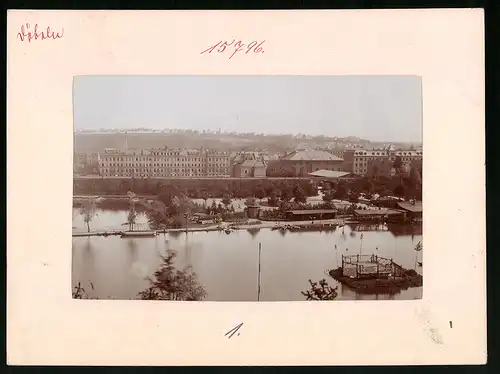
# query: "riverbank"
{"type": "Point", "coordinates": [388, 286]}
{"type": "Point", "coordinates": [327, 223]}
{"type": "Point", "coordinates": [251, 224]}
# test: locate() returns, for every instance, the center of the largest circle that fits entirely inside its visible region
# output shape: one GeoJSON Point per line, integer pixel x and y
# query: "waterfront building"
{"type": "Point", "coordinates": [300, 163]}
{"type": "Point", "coordinates": [380, 162]}
{"type": "Point", "coordinates": [165, 162]}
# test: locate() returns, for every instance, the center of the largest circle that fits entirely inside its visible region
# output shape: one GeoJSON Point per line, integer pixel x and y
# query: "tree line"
{"type": "Point", "coordinates": [193, 188]}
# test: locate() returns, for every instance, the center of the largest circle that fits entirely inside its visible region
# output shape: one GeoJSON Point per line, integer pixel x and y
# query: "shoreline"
{"type": "Point", "coordinates": [326, 224]}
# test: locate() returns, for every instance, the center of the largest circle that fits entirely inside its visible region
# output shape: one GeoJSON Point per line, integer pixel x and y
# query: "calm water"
{"type": "Point", "coordinates": [227, 265]}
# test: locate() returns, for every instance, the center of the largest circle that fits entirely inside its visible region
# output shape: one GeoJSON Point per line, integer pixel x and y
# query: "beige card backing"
{"type": "Point", "coordinates": [46, 326]}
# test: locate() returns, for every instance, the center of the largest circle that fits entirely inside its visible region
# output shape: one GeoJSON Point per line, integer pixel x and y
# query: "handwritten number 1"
{"type": "Point", "coordinates": [209, 50]}
{"type": "Point", "coordinates": [233, 331]}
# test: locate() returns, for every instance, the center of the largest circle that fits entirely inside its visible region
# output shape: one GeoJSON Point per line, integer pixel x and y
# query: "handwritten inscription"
{"type": "Point", "coordinates": [235, 47]}
{"type": "Point", "coordinates": [233, 331]}
{"type": "Point", "coordinates": [29, 34]}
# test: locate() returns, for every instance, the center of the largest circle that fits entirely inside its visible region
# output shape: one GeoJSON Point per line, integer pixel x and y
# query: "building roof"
{"type": "Point", "coordinates": [253, 156]}
{"type": "Point", "coordinates": [252, 163]}
{"type": "Point", "coordinates": [312, 211]}
{"type": "Point", "coordinates": [323, 173]}
{"type": "Point", "coordinates": [311, 155]}
{"type": "Point", "coordinates": [376, 212]}
{"type": "Point", "coordinates": [415, 208]}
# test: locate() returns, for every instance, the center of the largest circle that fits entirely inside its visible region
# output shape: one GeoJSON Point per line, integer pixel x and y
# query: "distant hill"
{"type": "Point", "coordinates": [97, 141]}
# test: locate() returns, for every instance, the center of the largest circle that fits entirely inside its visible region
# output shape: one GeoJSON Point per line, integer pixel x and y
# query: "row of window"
{"type": "Point", "coordinates": [417, 153]}
{"type": "Point", "coordinates": [179, 174]}
{"type": "Point", "coordinates": [157, 170]}
{"type": "Point", "coordinates": [177, 159]}
{"type": "Point", "coordinates": [386, 158]}
{"type": "Point", "coordinates": [115, 164]}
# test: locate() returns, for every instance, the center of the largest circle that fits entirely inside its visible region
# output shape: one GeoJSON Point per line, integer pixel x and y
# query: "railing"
{"type": "Point", "coordinates": [359, 266]}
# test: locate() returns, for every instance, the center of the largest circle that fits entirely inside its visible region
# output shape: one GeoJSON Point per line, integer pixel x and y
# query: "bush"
{"type": "Point", "coordinates": [193, 188]}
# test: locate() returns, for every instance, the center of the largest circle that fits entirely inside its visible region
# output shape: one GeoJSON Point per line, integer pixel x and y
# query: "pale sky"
{"type": "Point", "coordinates": [377, 108]}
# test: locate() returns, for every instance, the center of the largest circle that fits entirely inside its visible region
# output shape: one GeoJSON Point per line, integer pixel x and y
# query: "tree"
{"type": "Point", "coordinates": [132, 214]}
{"type": "Point", "coordinates": [167, 194]}
{"type": "Point", "coordinates": [321, 291]}
{"type": "Point", "coordinates": [417, 248]}
{"type": "Point", "coordinates": [328, 195]}
{"type": "Point", "coordinates": [204, 196]}
{"type": "Point", "coordinates": [299, 195]}
{"type": "Point", "coordinates": [213, 207]}
{"type": "Point", "coordinates": [366, 186]}
{"type": "Point", "coordinates": [415, 176]}
{"type": "Point", "coordinates": [157, 219]}
{"type": "Point", "coordinates": [353, 196]}
{"type": "Point", "coordinates": [260, 193]}
{"type": "Point", "coordinates": [350, 210]}
{"type": "Point", "coordinates": [385, 192]}
{"type": "Point", "coordinates": [79, 292]}
{"type": "Point", "coordinates": [399, 190]}
{"type": "Point", "coordinates": [226, 200]}
{"type": "Point", "coordinates": [340, 193]}
{"type": "Point", "coordinates": [397, 164]}
{"type": "Point", "coordinates": [270, 190]}
{"type": "Point", "coordinates": [88, 211]}
{"type": "Point", "coordinates": [182, 205]}
{"type": "Point", "coordinates": [169, 283]}
{"type": "Point", "coordinates": [286, 194]}
{"type": "Point", "coordinates": [131, 218]}
{"type": "Point", "coordinates": [272, 200]}
{"type": "Point", "coordinates": [250, 201]}
{"type": "Point", "coordinates": [243, 193]}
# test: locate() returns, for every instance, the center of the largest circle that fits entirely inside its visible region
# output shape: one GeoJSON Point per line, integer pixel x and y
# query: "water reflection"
{"type": "Point", "coordinates": [405, 229]}
{"type": "Point", "coordinates": [132, 249]}
{"type": "Point", "coordinates": [175, 234]}
{"type": "Point", "coordinates": [227, 265]}
{"type": "Point", "coordinates": [253, 231]}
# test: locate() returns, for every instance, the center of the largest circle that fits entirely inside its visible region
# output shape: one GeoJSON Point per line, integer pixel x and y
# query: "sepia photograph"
{"type": "Point", "coordinates": [247, 188]}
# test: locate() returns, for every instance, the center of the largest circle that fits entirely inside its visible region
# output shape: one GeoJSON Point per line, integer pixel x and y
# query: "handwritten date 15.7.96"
{"type": "Point", "coordinates": [234, 47]}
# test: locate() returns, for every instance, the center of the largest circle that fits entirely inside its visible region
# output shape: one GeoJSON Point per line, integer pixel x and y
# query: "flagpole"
{"type": "Point", "coordinates": [258, 290]}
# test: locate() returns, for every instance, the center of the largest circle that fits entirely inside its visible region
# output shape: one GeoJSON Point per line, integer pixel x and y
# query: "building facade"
{"type": "Point", "coordinates": [141, 163]}
{"type": "Point", "coordinates": [85, 163]}
{"type": "Point", "coordinates": [381, 162]}
{"type": "Point", "coordinates": [249, 165]}
{"type": "Point", "coordinates": [301, 163]}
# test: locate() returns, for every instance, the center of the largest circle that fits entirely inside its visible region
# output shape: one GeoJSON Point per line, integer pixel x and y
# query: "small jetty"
{"type": "Point", "coordinates": [96, 233]}
{"type": "Point", "coordinates": [305, 227]}
{"type": "Point", "coordinates": [138, 234]}
{"type": "Point", "coordinates": [123, 234]}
